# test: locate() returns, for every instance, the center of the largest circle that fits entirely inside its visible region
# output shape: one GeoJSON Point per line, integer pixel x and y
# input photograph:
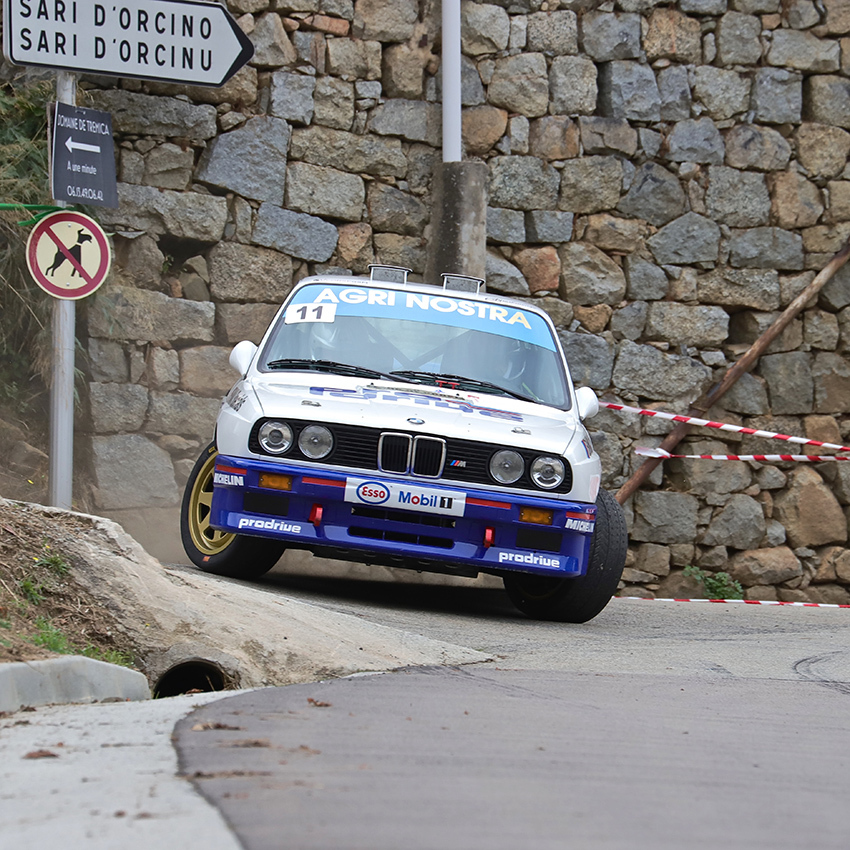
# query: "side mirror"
{"type": "Point", "coordinates": [242, 355]}
{"type": "Point", "coordinates": [586, 401]}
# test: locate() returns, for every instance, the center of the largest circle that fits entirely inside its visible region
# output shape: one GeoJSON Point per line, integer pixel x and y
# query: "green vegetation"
{"type": "Point", "coordinates": [24, 308]}
{"type": "Point", "coordinates": [111, 656]}
{"type": "Point", "coordinates": [34, 585]}
{"type": "Point", "coordinates": [716, 585]}
{"type": "Point", "coordinates": [51, 637]}
{"type": "Point", "coordinates": [31, 590]}
{"type": "Point", "coordinates": [44, 606]}
{"type": "Point", "coordinates": [23, 143]}
{"type": "Point", "coordinates": [52, 561]}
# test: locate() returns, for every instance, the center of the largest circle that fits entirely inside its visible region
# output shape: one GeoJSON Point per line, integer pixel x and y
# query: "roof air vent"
{"type": "Point", "coordinates": [462, 282]}
{"type": "Point", "coordinates": [389, 274]}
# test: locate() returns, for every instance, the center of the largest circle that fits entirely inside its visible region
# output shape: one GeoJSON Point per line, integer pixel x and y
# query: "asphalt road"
{"type": "Point", "coordinates": [489, 759]}
{"type": "Point", "coordinates": [655, 725]}
{"type": "Point", "coordinates": [629, 636]}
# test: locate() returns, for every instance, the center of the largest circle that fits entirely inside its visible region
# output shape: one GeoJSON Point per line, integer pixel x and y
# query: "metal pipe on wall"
{"type": "Point", "coordinates": [452, 145]}
{"type": "Point", "coordinates": [458, 236]}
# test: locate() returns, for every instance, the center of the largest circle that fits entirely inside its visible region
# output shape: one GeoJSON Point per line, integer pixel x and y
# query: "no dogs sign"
{"type": "Point", "coordinates": [68, 255]}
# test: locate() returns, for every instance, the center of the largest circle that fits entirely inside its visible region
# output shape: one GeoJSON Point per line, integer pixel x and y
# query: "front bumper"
{"type": "Point", "coordinates": [399, 521]}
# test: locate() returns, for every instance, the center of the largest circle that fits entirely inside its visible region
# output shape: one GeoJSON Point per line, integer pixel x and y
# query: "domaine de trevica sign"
{"type": "Point", "coordinates": [180, 41]}
{"type": "Point", "coordinates": [82, 161]}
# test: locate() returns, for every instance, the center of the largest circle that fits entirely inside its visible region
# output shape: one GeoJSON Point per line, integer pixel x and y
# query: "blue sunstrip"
{"type": "Point", "coordinates": [437, 309]}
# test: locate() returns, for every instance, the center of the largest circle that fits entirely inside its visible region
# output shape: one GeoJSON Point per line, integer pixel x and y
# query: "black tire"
{"type": "Point", "coordinates": [577, 600]}
{"type": "Point", "coordinates": [219, 552]}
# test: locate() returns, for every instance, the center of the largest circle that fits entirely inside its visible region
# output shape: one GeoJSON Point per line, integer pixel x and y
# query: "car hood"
{"type": "Point", "coordinates": [417, 408]}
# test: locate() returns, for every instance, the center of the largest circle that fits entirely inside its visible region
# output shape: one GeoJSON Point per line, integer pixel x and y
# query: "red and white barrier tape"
{"type": "Point", "coordinates": [741, 602]}
{"type": "Point", "coordinates": [648, 452]}
{"type": "Point", "coordinates": [725, 426]}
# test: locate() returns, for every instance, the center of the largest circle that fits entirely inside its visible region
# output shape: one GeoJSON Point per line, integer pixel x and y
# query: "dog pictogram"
{"type": "Point", "coordinates": [75, 251]}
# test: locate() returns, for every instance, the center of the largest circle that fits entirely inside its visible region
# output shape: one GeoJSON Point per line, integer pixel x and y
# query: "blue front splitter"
{"type": "Point", "coordinates": [376, 518]}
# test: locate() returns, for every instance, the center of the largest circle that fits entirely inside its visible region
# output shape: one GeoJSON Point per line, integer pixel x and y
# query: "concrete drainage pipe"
{"type": "Point", "coordinates": [191, 676]}
{"type": "Point", "coordinates": [193, 666]}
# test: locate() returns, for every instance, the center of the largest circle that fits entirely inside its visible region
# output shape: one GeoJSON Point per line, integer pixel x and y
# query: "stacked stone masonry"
{"type": "Point", "coordinates": [664, 178]}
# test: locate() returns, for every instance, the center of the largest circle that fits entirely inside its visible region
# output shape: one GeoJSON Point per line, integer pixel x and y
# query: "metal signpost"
{"type": "Point", "coordinates": [177, 41]}
{"type": "Point", "coordinates": [60, 471]}
{"type": "Point", "coordinates": [68, 256]}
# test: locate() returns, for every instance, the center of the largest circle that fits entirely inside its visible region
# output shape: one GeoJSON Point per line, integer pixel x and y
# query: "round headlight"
{"type": "Point", "coordinates": [547, 472]}
{"type": "Point", "coordinates": [275, 437]}
{"type": "Point", "coordinates": [315, 442]}
{"type": "Point", "coordinates": [506, 466]}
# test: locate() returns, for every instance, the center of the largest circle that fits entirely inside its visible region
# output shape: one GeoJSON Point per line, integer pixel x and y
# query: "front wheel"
{"type": "Point", "coordinates": [577, 600]}
{"type": "Point", "coordinates": [219, 552]}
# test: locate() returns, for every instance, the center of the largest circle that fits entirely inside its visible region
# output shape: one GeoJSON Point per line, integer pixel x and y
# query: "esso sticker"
{"type": "Point", "coordinates": [373, 493]}
{"type": "Point", "coordinates": [296, 313]}
{"type": "Point", "coordinates": [406, 496]}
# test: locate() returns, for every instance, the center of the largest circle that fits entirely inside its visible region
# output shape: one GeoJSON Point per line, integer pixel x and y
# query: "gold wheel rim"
{"type": "Point", "coordinates": [207, 540]}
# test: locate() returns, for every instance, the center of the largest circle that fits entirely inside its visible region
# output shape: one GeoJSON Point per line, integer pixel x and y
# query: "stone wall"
{"type": "Point", "coordinates": [664, 178]}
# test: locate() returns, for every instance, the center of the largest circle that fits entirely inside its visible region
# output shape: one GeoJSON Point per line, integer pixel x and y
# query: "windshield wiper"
{"type": "Point", "coordinates": [455, 382]}
{"type": "Point", "coordinates": [332, 366]}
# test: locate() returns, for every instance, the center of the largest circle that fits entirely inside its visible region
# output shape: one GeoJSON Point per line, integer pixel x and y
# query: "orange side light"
{"type": "Point", "coordinates": [540, 516]}
{"type": "Point", "coordinates": [273, 481]}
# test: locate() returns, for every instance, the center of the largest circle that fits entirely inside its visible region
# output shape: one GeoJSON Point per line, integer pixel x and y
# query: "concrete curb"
{"type": "Point", "coordinates": [70, 679]}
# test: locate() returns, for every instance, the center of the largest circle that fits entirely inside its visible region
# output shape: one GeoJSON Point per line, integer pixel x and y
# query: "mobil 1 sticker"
{"type": "Point", "coordinates": [398, 494]}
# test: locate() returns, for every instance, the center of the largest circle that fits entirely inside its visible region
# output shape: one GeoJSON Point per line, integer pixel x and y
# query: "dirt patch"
{"type": "Point", "coordinates": [44, 611]}
{"type": "Point", "coordinates": [107, 594]}
{"type": "Point", "coordinates": [23, 474]}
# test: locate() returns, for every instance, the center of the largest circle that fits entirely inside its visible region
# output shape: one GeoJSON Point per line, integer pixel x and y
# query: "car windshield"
{"type": "Point", "coordinates": [438, 339]}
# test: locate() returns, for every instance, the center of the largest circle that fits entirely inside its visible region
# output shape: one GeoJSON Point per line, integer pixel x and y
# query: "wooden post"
{"type": "Point", "coordinates": [746, 362]}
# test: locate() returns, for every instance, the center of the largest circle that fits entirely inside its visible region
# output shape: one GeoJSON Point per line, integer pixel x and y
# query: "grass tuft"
{"type": "Point", "coordinates": [716, 585]}
{"type": "Point", "coordinates": [52, 561]}
{"type": "Point", "coordinates": [50, 636]}
{"type": "Point", "coordinates": [31, 590]}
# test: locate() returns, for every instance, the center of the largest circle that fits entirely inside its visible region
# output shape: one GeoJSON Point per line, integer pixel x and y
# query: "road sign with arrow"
{"type": "Point", "coordinates": [177, 41]}
{"type": "Point", "coordinates": [82, 164]}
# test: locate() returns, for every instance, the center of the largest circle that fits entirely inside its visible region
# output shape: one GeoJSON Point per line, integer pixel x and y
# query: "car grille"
{"type": "Point", "coordinates": [420, 455]}
{"type": "Point", "coordinates": [394, 452]}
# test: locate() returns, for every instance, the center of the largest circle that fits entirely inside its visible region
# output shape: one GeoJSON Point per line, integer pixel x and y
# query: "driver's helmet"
{"type": "Point", "coordinates": [514, 357]}
{"type": "Point", "coordinates": [325, 339]}
{"type": "Point", "coordinates": [497, 359]}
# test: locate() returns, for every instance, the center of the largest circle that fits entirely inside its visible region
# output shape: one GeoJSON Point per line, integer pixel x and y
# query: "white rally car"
{"type": "Point", "coordinates": [401, 424]}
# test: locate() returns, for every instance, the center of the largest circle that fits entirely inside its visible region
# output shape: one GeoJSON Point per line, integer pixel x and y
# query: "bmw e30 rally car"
{"type": "Point", "coordinates": [401, 424]}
